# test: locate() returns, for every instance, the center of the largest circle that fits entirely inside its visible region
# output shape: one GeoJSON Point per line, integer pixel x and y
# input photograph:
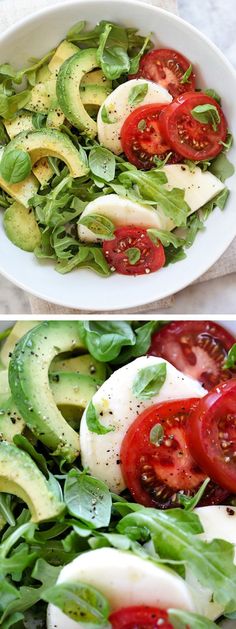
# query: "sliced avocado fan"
{"type": "Point", "coordinates": [19, 475]}
{"type": "Point", "coordinates": [29, 383]}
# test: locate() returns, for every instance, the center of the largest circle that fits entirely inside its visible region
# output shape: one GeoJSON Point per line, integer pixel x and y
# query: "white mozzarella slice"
{"type": "Point", "coordinates": [125, 580]}
{"type": "Point", "coordinates": [121, 212]}
{"type": "Point", "coordinates": [118, 109]}
{"type": "Point", "coordinates": [200, 187]}
{"type": "Point", "coordinates": [116, 405]}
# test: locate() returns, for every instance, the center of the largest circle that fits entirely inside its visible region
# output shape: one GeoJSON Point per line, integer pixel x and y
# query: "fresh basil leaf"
{"type": "Point", "coordinates": [39, 120]}
{"type": "Point", "coordinates": [207, 114]}
{"type": "Point", "coordinates": [105, 339]}
{"type": "Point", "coordinates": [134, 61]}
{"type": "Point", "coordinates": [187, 74]}
{"type": "Point", "coordinates": [149, 381]}
{"type": "Point", "coordinates": [102, 163]}
{"type": "Point", "coordinates": [15, 165]}
{"type": "Point", "coordinates": [189, 503]}
{"type": "Point", "coordinates": [228, 142]}
{"type": "Point", "coordinates": [106, 117]}
{"type": "Point", "coordinates": [165, 237]}
{"type": "Point", "coordinates": [142, 125]}
{"type": "Point", "coordinates": [221, 167]}
{"type": "Point", "coordinates": [156, 434]}
{"type": "Point", "coordinates": [137, 94]}
{"type": "Point", "coordinates": [181, 619]}
{"type": "Point", "coordinates": [93, 423]}
{"type": "Point", "coordinates": [88, 499]}
{"type": "Point", "coordinates": [80, 602]}
{"type": "Point", "coordinates": [99, 225]}
{"type": "Point", "coordinates": [213, 94]}
{"type": "Point", "coordinates": [113, 60]}
{"type": "Point", "coordinates": [133, 254]}
{"type": "Point", "coordinates": [230, 361]}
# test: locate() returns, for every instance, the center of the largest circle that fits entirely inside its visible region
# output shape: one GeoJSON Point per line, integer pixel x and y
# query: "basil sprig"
{"type": "Point", "coordinates": [99, 225]}
{"type": "Point", "coordinates": [93, 423]}
{"type": "Point", "coordinates": [148, 381]}
{"type": "Point", "coordinates": [133, 254]}
{"type": "Point", "coordinates": [207, 114]}
{"type": "Point", "coordinates": [230, 362]}
{"type": "Point", "coordinates": [106, 116]}
{"type": "Point", "coordinates": [88, 499]}
{"type": "Point", "coordinates": [80, 601]}
{"type": "Point", "coordinates": [15, 165]}
{"type": "Point", "coordinates": [187, 74]}
{"type": "Point", "coordinates": [102, 163]}
{"type": "Point", "coordinates": [137, 94]}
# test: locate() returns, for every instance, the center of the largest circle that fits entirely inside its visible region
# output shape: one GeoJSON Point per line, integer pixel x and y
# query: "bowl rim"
{"type": "Point", "coordinates": [68, 302]}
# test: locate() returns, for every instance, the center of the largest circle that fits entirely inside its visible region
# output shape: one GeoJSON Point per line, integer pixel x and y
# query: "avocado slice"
{"type": "Point", "coordinates": [43, 171]}
{"type": "Point", "coordinates": [51, 142]}
{"type": "Point", "coordinates": [19, 475]}
{"type": "Point", "coordinates": [21, 227]}
{"type": "Point", "coordinates": [83, 365]}
{"type": "Point", "coordinates": [22, 191]}
{"type": "Point", "coordinates": [19, 329]}
{"type": "Point", "coordinates": [43, 74]}
{"type": "Point", "coordinates": [65, 50]}
{"type": "Point", "coordinates": [29, 383]}
{"type": "Point", "coordinates": [55, 116]}
{"type": "Point", "coordinates": [11, 422]}
{"type": "Point", "coordinates": [69, 79]}
{"type": "Point", "coordinates": [72, 392]}
{"type": "Point", "coordinates": [41, 96]}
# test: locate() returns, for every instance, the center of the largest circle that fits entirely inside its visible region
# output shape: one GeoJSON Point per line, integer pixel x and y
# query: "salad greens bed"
{"type": "Point", "coordinates": [90, 517]}
{"type": "Point", "coordinates": [60, 200]}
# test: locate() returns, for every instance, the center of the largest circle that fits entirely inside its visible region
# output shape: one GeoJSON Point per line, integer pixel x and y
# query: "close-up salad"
{"type": "Point", "coordinates": [112, 153]}
{"type": "Point", "coordinates": [117, 475]}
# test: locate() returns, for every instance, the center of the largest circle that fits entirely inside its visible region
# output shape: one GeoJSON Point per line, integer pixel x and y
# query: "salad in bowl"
{"type": "Point", "coordinates": [112, 153]}
{"type": "Point", "coordinates": [117, 475]}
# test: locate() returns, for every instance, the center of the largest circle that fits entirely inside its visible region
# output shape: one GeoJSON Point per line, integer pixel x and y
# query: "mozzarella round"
{"type": "Point", "coordinates": [121, 212]}
{"type": "Point", "coordinates": [118, 109]}
{"type": "Point", "coordinates": [125, 580]}
{"type": "Point", "coordinates": [116, 405]}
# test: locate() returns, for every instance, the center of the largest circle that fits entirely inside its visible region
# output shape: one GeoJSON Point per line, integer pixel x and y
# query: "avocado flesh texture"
{"type": "Point", "coordinates": [19, 329]}
{"type": "Point", "coordinates": [83, 365]}
{"type": "Point", "coordinates": [29, 383]}
{"type": "Point", "coordinates": [50, 142]}
{"type": "Point", "coordinates": [69, 79]}
{"type": "Point", "coordinates": [72, 392]}
{"type": "Point", "coordinates": [22, 191]}
{"type": "Point", "coordinates": [21, 227]}
{"type": "Point", "coordinates": [19, 475]}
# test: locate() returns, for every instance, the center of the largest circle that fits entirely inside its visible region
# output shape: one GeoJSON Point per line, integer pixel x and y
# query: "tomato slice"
{"type": "Point", "coordinates": [129, 244]}
{"type": "Point", "coordinates": [167, 67]}
{"type": "Point", "coordinates": [192, 139]}
{"type": "Point", "coordinates": [198, 348]}
{"type": "Point", "coordinates": [141, 138]}
{"type": "Point", "coordinates": [154, 473]}
{"type": "Point", "coordinates": [140, 617]}
{"type": "Point", "coordinates": [212, 434]}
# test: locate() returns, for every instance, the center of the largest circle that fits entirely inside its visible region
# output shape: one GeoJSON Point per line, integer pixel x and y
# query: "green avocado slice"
{"type": "Point", "coordinates": [83, 365]}
{"type": "Point", "coordinates": [19, 329]}
{"type": "Point", "coordinates": [29, 383]}
{"type": "Point", "coordinates": [69, 79]}
{"type": "Point", "coordinates": [50, 142]}
{"type": "Point", "coordinates": [19, 475]}
{"type": "Point", "coordinates": [21, 227]}
{"type": "Point", "coordinates": [72, 392]}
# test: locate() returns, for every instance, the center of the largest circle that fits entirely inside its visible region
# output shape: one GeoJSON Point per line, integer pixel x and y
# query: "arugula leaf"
{"type": "Point", "coordinates": [133, 254]}
{"type": "Point", "coordinates": [228, 142]}
{"type": "Point", "coordinates": [148, 381]}
{"type": "Point", "coordinates": [24, 444]}
{"type": "Point", "coordinates": [80, 601]}
{"type": "Point", "coordinates": [165, 237]}
{"type": "Point", "coordinates": [102, 163]}
{"type": "Point", "coordinates": [137, 94]}
{"type": "Point", "coordinates": [9, 105]}
{"type": "Point", "coordinates": [15, 165]}
{"type": "Point", "coordinates": [221, 167]}
{"type": "Point", "coordinates": [6, 512]}
{"type": "Point", "coordinates": [230, 361]}
{"type": "Point", "coordinates": [99, 225]}
{"type": "Point", "coordinates": [207, 114]}
{"type": "Point", "coordinates": [93, 423]}
{"type": "Point", "coordinates": [213, 94]}
{"type": "Point", "coordinates": [219, 200]}
{"type": "Point", "coordinates": [187, 74]}
{"type": "Point", "coordinates": [113, 59]}
{"type": "Point", "coordinates": [134, 61]}
{"type": "Point", "coordinates": [194, 225]}
{"type": "Point", "coordinates": [88, 499]}
{"type": "Point", "coordinates": [174, 255]}
{"type": "Point", "coordinates": [86, 258]}
{"type": "Point", "coordinates": [189, 503]}
{"type": "Point", "coordinates": [181, 619]}
{"type": "Point", "coordinates": [105, 339]}
{"type": "Point", "coordinates": [106, 117]}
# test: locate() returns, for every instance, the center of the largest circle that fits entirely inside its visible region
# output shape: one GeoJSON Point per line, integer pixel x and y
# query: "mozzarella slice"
{"type": "Point", "coordinates": [116, 405]}
{"type": "Point", "coordinates": [200, 187]}
{"type": "Point", "coordinates": [125, 580]}
{"type": "Point", "coordinates": [118, 109]}
{"type": "Point", "coordinates": [121, 212]}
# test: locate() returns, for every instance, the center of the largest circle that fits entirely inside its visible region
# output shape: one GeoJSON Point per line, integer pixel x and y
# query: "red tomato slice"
{"type": "Point", "coordinates": [141, 138]}
{"type": "Point", "coordinates": [117, 252]}
{"type": "Point", "coordinates": [154, 473]}
{"type": "Point", "coordinates": [192, 139]}
{"type": "Point", "coordinates": [167, 67]}
{"type": "Point", "coordinates": [198, 348]}
{"type": "Point", "coordinates": [212, 434]}
{"type": "Point", "coordinates": [140, 617]}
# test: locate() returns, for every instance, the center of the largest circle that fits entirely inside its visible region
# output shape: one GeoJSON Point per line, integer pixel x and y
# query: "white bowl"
{"type": "Point", "coordinates": [83, 289]}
